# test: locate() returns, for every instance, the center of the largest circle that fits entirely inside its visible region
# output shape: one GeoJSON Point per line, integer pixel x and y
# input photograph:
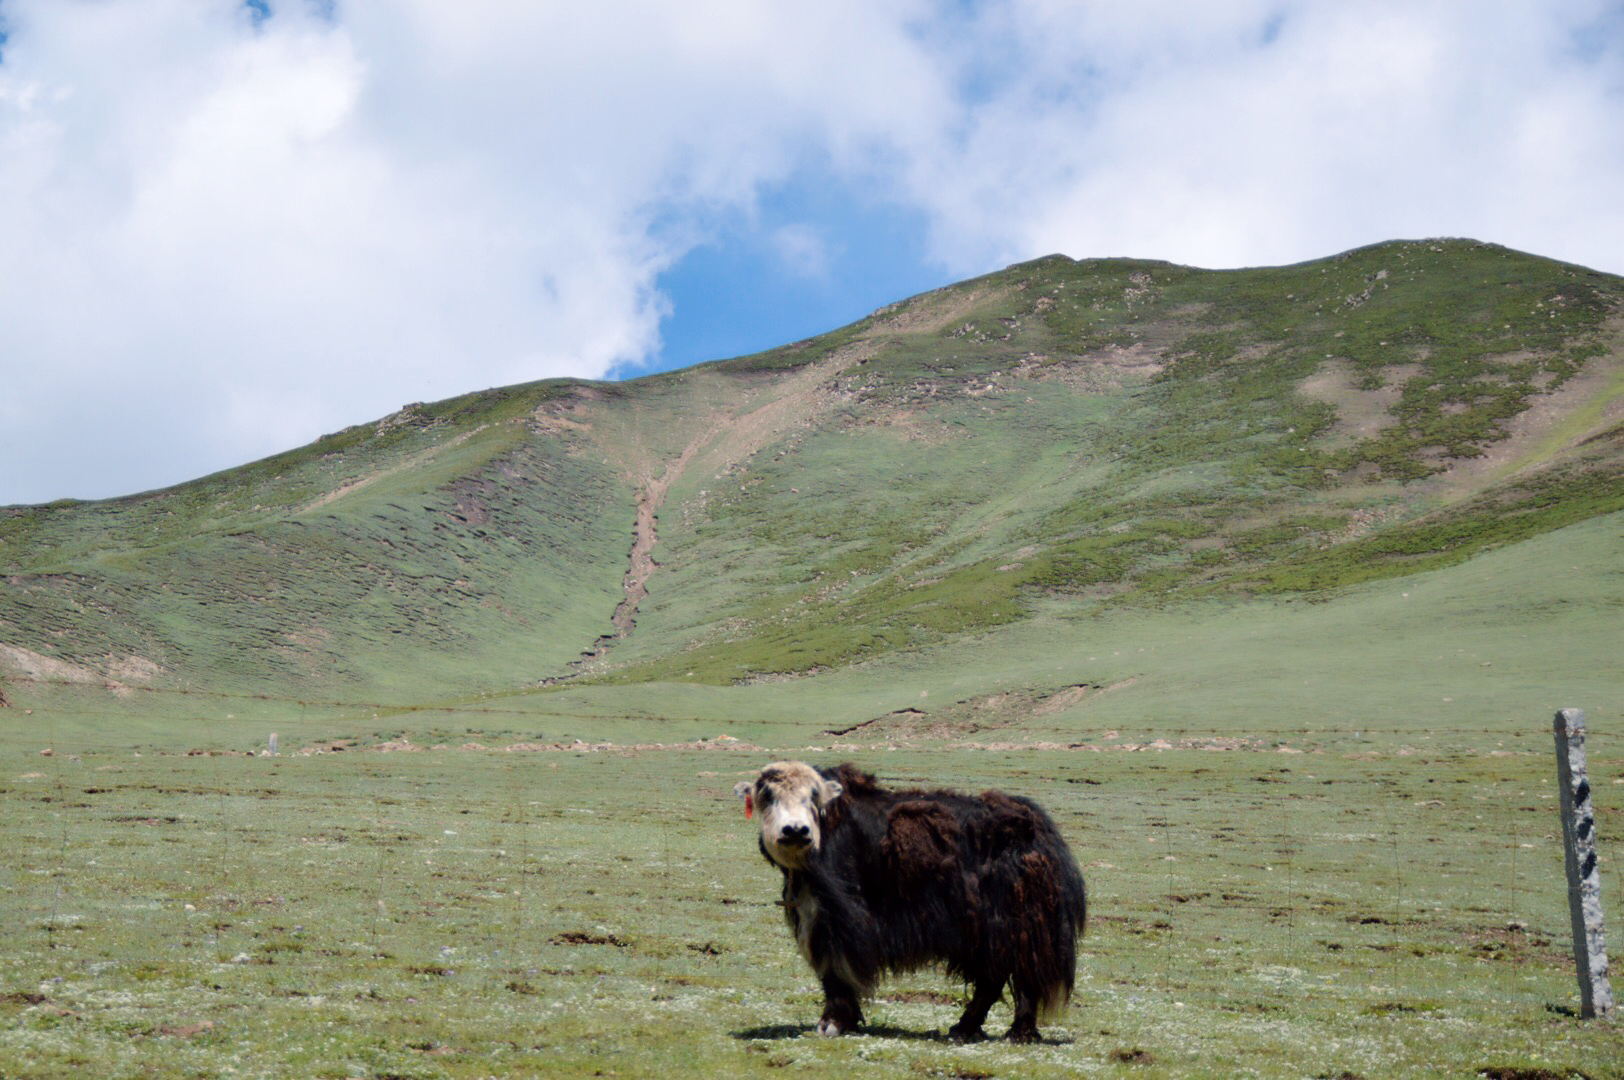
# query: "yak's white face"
{"type": "Point", "coordinates": [789, 796]}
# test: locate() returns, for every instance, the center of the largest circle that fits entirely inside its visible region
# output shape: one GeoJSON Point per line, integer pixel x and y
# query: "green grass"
{"type": "Point", "coordinates": [1342, 862]}
{"type": "Point", "coordinates": [1516, 512]}
{"type": "Point", "coordinates": [451, 561]}
{"type": "Point", "coordinates": [466, 913]}
{"type": "Point", "coordinates": [1286, 687]}
{"type": "Point", "coordinates": [952, 498]}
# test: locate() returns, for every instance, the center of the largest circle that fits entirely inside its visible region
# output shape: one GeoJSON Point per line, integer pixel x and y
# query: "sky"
{"type": "Point", "coordinates": [228, 227]}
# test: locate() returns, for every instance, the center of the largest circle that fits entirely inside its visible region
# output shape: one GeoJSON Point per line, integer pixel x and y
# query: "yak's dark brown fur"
{"type": "Point", "coordinates": [903, 879]}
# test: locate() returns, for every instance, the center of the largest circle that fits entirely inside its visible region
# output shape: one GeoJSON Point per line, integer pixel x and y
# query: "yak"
{"type": "Point", "coordinates": [890, 881]}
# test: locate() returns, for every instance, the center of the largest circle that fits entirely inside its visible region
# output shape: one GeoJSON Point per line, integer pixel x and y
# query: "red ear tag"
{"type": "Point", "coordinates": [749, 806]}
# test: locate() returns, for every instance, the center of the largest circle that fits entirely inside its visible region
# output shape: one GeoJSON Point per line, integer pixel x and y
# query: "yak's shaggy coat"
{"type": "Point", "coordinates": [878, 880]}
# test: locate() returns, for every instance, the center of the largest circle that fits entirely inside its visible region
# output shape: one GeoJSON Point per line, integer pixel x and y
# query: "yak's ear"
{"type": "Point", "coordinates": [746, 789]}
{"type": "Point", "coordinates": [830, 791]}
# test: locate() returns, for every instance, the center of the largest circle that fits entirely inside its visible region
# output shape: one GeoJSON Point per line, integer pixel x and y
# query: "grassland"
{"type": "Point", "coordinates": [1320, 840]}
{"type": "Point", "coordinates": [571, 912]}
{"type": "Point", "coordinates": [1266, 582]}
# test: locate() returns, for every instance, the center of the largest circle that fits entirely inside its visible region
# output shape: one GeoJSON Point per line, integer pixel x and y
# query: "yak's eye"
{"type": "Point", "coordinates": [764, 796]}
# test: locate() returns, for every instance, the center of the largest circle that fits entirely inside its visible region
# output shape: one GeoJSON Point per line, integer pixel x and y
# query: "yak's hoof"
{"type": "Point", "coordinates": [834, 1027]}
{"type": "Point", "coordinates": [1023, 1034]}
{"type": "Point", "coordinates": [963, 1033]}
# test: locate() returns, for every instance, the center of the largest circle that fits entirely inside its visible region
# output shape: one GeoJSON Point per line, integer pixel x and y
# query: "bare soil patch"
{"type": "Point", "coordinates": [935, 311]}
{"type": "Point", "coordinates": [411, 461]}
{"type": "Point", "coordinates": [1099, 372]}
{"type": "Point", "coordinates": [25, 665]}
{"type": "Point", "coordinates": [972, 715]}
{"type": "Point", "coordinates": [1588, 403]}
{"type": "Point", "coordinates": [1360, 414]}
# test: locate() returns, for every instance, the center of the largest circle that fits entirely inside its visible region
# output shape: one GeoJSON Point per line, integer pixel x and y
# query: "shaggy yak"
{"type": "Point", "coordinates": [878, 880]}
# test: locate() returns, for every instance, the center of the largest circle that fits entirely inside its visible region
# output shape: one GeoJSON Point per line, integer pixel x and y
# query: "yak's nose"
{"type": "Point", "coordinates": [796, 834]}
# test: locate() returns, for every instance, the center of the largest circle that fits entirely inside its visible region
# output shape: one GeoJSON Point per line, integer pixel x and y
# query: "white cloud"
{"type": "Point", "coordinates": [1225, 135]}
{"type": "Point", "coordinates": [802, 249]}
{"type": "Point", "coordinates": [223, 236]}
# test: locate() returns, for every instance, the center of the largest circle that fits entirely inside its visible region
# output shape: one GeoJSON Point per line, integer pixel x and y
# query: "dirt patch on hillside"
{"type": "Point", "coordinates": [25, 665]}
{"type": "Point", "coordinates": [800, 401]}
{"type": "Point", "coordinates": [984, 712]}
{"type": "Point", "coordinates": [1100, 372]}
{"type": "Point", "coordinates": [935, 311]}
{"type": "Point", "coordinates": [411, 461]}
{"type": "Point", "coordinates": [1075, 695]}
{"type": "Point", "coordinates": [914, 424]}
{"type": "Point", "coordinates": [565, 415]}
{"type": "Point", "coordinates": [132, 668]}
{"type": "Point", "coordinates": [1360, 413]}
{"type": "Point", "coordinates": [1586, 404]}
{"type": "Point", "coordinates": [19, 662]}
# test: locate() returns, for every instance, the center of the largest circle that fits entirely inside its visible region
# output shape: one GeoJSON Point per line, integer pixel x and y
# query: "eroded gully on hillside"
{"type": "Point", "coordinates": [734, 437]}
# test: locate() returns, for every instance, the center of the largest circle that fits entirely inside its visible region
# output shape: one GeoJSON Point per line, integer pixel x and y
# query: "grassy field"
{"type": "Point", "coordinates": [1320, 839]}
{"type": "Point", "coordinates": [457, 913]}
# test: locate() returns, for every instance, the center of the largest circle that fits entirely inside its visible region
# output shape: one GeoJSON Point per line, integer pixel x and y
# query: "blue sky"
{"type": "Point", "coordinates": [232, 227]}
{"type": "Point", "coordinates": [810, 257]}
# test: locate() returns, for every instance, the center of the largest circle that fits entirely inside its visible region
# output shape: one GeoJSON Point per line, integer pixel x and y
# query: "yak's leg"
{"type": "Point", "coordinates": [1025, 1027]}
{"type": "Point", "coordinates": [841, 1011]}
{"type": "Point", "coordinates": [968, 1029]}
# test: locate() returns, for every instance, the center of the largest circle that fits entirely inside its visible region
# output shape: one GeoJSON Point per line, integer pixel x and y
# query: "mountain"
{"type": "Point", "coordinates": [1107, 439]}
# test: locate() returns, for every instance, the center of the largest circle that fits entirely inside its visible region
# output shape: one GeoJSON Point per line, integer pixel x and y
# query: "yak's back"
{"type": "Point", "coordinates": [931, 820]}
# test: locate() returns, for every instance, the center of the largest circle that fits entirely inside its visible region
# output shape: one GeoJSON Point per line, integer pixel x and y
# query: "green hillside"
{"type": "Point", "coordinates": [1089, 438]}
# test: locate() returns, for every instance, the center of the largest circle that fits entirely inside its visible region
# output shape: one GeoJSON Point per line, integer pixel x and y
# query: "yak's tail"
{"type": "Point", "coordinates": [1035, 896]}
{"type": "Point", "coordinates": [1053, 912]}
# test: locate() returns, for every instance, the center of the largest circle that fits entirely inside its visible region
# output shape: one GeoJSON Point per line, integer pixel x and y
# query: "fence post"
{"type": "Point", "coordinates": [1579, 848]}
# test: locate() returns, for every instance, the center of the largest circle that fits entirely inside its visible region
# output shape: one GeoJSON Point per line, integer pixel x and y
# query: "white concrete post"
{"type": "Point", "coordinates": [1584, 883]}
